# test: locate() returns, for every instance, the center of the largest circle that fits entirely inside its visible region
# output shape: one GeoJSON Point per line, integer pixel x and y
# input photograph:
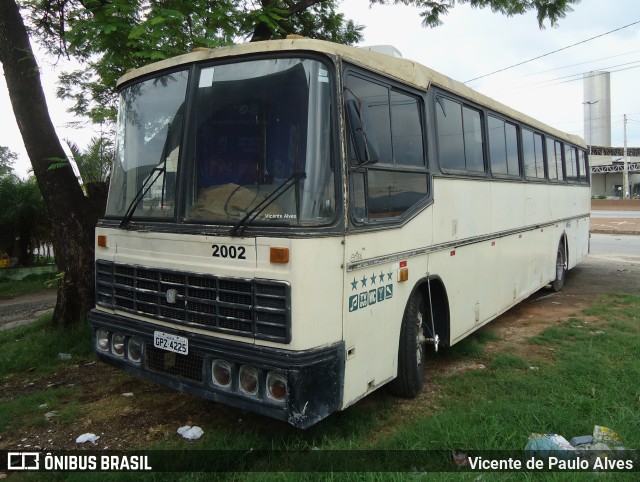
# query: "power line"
{"type": "Point", "coordinates": [580, 63]}
{"type": "Point", "coordinates": [571, 77]}
{"type": "Point", "coordinates": [553, 52]}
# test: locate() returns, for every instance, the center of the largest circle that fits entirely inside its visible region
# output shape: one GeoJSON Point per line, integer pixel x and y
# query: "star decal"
{"type": "Point", "coordinates": [373, 279]}
{"type": "Point", "coordinates": [389, 276]}
{"type": "Point", "coordinates": [381, 277]}
{"type": "Point", "coordinates": [354, 285]}
{"type": "Point", "coordinates": [363, 281]}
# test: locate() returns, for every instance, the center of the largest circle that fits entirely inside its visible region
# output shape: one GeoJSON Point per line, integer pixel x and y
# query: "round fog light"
{"type": "Point", "coordinates": [277, 386]}
{"type": "Point", "coordinates": [117, 344]}
{"type": "Point", "coordinates": [221, 373]}
{"type": "Point", "coordinates": [248, 380]}
{"type": "Point", "coordinates": [134, 350]}
{"type": "Point", "coordinates": [102, 340]}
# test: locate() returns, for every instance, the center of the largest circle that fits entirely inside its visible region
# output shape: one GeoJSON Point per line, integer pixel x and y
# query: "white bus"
{"type": "Point", "coordinates": [290, 223]}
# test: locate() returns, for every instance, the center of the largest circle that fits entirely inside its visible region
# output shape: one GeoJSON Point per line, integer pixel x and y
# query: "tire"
{"type": "Point", "coordinates": [561, 267]}
{"type": "Point", "coordinates": [412, 349]}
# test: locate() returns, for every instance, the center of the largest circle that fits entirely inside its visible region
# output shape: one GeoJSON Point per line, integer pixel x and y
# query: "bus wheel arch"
{"type": "Point", "coordinates": [562, 263]}
{"type": "Point", "coordinates": [427, 299]}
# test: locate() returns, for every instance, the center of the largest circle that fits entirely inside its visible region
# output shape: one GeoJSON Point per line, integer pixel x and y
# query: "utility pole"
{"type": "Point", "coordinates": [625, 172]}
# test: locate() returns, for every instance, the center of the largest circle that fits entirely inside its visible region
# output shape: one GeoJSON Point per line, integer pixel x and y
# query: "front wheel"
{"type": "Point", "coordinates": [412, 350]}
{"type": "Point", "coordinates": [561, 267]}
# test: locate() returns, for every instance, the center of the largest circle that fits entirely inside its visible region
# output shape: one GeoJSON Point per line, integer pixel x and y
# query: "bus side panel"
{"type": "Point", "coordinates": [472, 283]}
{"type": "Point", "coordinates": [507, 206]}
{"type": "Point", "coordinates": [536, 213]}
{"type": "Point", "coordinates": [536, 206]}
{"type": "Point", "coordinates": [579, 247]}
{"type": "Point", "coordinates": [578, 229]}
{"type": "Point", "coordinates": [461, 209]}
{"type": "Point", "coordinates": [561, 202]}
{"type": "Point", "coordinates": [374, 302]}
{"type": "Point", "coordinates": [511, 267]}
{"type": "Point", "coordinates": [462, 213]}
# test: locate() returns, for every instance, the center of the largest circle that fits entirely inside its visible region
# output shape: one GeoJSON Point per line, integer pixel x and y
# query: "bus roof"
{"type": "Point", "coordinates": [403, 70]}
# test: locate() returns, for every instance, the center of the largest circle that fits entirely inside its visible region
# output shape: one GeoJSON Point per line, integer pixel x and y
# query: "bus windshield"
{"type": "Point", "coordinates": [254, 126]}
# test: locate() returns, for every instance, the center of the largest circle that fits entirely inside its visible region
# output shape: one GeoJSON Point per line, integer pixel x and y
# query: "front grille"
{"type": "Point", "coordinates": [245, 307]}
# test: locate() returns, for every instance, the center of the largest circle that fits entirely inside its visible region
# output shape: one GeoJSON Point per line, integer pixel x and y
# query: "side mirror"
{"type": "Point", "coordinates": [364, 150]}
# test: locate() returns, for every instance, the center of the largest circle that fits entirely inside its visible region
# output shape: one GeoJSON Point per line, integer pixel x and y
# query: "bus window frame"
{"type": "Point", "coordinates": [545, 168]}
{"type": "Point", "coordinates": [555, 141]}
{"type": "Point", "coordinates": [584, 178]}
{"type": "Point", "coordinates": [466, 173]}
{"type": "Point", "coordinates": [501, 176]}
{"type": "Point", "coordinates": [374, 223]}
{"type": "Point", "coordinates": [574, 148]}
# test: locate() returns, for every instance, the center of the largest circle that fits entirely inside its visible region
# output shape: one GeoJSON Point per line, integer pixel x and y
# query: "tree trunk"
{"type": "Point", "coordinates": [72, 218]}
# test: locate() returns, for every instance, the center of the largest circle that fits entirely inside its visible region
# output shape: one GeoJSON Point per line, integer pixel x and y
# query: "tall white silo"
{"type": "Point", "coordinates": [597, 108]}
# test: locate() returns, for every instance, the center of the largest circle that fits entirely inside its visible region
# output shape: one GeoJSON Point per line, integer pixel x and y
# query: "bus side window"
{"type": "Point", "coordinates": [503, 147]}
{"type": "Point", "coordinates": [554, 159]}
{"type": "Point", "coordinates": [583, 167]}
{"type": "Point", "coordinates": [571, 163]}
{"type": "Point", "coordinates": [460, 146]}
{"type": "Point", "coordinates": [392, 122]}
{"type": "Point", "coordinates": [532, 154]}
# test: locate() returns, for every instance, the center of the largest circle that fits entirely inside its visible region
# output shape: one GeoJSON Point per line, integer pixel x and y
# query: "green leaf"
{"type": "Point", "coordinates": [57, 163]}
{"type": "Point", "coordinates": [107, 29]}
{"type": "Point", "coordinates": [137, 32]}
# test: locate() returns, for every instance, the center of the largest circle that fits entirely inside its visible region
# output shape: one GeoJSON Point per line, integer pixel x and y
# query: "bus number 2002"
{"type": "Point", "coordinates": [224, 251]}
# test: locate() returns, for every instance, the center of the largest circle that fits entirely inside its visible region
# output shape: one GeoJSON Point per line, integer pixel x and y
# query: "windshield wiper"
{"type": "Point", "coordinates": [241, 225]}
{"type": "Point", "coordinates": [160, 169]}
{"type": "Point", "coordinates": [146, 185]}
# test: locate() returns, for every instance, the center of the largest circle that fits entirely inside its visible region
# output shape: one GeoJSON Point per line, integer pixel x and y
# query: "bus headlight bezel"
{"type": "Point", "coordinates": [219, 369]}
{"type": "Point", "coordinates": [103, 341]}
{"type": "Point", "coordinates": [249, 380]}
{"type": "Point", "coordinates": [134, 349]}
{"type": "Point", "coordinates": [277, 386]}
{"type": "Point", "coordinates": [118, 342]}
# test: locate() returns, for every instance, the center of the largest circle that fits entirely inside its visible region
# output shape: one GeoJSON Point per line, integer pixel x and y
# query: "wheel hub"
{"type": "Point", "coordinates": [420, 339]}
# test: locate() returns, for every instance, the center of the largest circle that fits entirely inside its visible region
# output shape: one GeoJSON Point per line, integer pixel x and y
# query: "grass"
{"type": "Point", "coordinates": [34, 349]}
{"type": "Point", "coordinates": [33, 283]}
{"type": "Point", "coordinates": [591, 380]}
{"type": "Point", "coordinates": [29, 354]}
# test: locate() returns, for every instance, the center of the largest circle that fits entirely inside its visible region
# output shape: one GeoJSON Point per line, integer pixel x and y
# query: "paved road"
{"type": "Point", "coordinates": [615, 244]}
{"type": "Point", "coordinates": [603, 214]}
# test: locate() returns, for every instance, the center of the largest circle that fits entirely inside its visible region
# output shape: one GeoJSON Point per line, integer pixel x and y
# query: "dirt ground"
{"type": "Point", "coordinates": [148, 413]}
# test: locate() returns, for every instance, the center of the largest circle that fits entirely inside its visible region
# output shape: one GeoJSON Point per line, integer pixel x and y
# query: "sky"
{"type": "Point", "coordinates": [471, 43]}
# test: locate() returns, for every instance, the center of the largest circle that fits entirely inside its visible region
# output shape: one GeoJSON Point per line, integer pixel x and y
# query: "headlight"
{"type": "Point", "coordinates": [221, 373]}
{"type": "Point", "coordinates": [134, 349]}
{"type": "Point", "coordinates": [277, 386]}
{"type": "Point", "coordinates": [102, 340]}
{"type": "Point", "coordinates": [117, 344]}
{"type": "Point", "coordinates": [249, 380]}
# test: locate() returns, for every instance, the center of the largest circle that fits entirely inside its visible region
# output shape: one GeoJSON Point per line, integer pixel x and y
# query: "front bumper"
{"type": "Point", "coordinates": [314, 377]}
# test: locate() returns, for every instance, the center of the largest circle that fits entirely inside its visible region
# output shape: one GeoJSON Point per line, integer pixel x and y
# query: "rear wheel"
{"type": "Point", "coordinates": [412, 350]}
{"type": "Point", "coordinates": [561, 267]}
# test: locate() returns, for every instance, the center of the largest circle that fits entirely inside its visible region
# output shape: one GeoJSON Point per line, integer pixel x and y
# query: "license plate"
{"type": "Point", "coordinates": [169, 342]}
